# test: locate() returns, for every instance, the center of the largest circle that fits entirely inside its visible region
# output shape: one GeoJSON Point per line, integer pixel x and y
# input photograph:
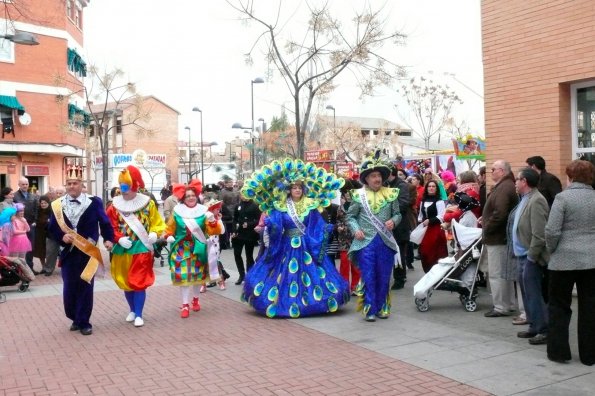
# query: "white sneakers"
{"type": "Point", "coordinates": [138, 322]}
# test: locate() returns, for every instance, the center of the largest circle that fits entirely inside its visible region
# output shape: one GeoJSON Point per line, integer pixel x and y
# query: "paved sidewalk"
{"type": "Point", "coordinates": [227, 349]}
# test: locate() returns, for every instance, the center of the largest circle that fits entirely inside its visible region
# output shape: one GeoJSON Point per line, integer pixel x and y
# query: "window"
{"type": "Point", "coordinates": [69, 8]}
{"type": "Point", "coordinates": [119, 124]}
{"type": "Point", "coordinates": [582, 107]}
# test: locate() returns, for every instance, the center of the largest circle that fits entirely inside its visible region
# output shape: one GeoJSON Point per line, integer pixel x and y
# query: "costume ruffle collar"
{"type": "Point", "coordinates": [376, 199]}
{"type": "Point", "coordinates": [189, 213]}
{"type": "Point", "coordinates": [132, 205]}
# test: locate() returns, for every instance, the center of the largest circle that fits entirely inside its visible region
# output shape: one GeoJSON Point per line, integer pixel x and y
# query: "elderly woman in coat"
{"type": "Point", "coordinates": [570, 236]}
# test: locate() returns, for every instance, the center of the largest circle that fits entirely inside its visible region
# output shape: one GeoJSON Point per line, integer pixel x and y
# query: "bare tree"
{"type": "Point", "coordinates": [310, 65]}
{"type": "Point", "coordinates": [431, 105]}
{"type": "Point", "coordinates": [107, 95]}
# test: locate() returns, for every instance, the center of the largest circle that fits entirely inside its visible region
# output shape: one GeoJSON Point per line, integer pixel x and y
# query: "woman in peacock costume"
{"type": "Point", "coordinates": [294, 277]}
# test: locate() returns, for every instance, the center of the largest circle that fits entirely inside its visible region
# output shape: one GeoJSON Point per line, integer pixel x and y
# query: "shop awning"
{"type": "Point", "coordinates": [12, 103]}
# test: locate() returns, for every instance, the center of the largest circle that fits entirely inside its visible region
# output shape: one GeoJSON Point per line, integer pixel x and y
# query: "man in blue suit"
{"type": "Point", "coordinates": [75, 223]}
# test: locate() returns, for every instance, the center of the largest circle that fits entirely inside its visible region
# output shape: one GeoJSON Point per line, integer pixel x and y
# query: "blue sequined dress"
{"type": "Point", "coordinates": [295, 277]}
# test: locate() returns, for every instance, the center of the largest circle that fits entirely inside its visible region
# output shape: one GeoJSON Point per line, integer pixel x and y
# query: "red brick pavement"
{"type": "Point", "coordinates": [225, 349]}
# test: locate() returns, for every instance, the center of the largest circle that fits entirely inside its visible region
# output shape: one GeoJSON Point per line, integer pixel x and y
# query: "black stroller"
{"type": "Point", "coordinates": [455, 274]}
{"type": "Point", "coordinates": [14, 270]}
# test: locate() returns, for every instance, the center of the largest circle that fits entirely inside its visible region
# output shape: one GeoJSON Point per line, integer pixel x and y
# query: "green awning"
{"type": "Point", "coordinates": [12, 103]}
{"type": "Point", "coordinates": [78, 116]}
{"type": "Point", "coordinates": [76, 64]}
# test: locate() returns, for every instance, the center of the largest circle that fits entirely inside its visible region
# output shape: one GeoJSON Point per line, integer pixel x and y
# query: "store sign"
{"type": "Point", "coordinates": [138, 158]}
{"type": "Point", "coordinates": [37, 170]}
{"type": "Point", "coordinates": [319, 155]}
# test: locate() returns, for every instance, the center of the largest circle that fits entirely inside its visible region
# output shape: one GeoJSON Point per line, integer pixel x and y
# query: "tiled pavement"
{"type": "Point", "coordinates": [226, 349]}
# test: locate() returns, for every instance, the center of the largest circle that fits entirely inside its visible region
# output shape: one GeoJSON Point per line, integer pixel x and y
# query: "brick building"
{"type": "Point", "coordinates": [156, 135]}
{"type": "Point", "coordinates": [40, 126]}
{"type": "Point", "coordinates": [539, 80]}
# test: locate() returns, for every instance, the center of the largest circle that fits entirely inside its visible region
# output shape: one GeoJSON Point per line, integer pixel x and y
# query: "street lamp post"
{"type": "Point", "coordinates": [189, 155]}
{"type": "Point", "coordinates": [23, 38]}
{"type": "Point", "coordinates": [257, 80]}
{"type": "Point", "coordinates": [330, 107]}
{"type": "Point", "coordinates": [202, 164]}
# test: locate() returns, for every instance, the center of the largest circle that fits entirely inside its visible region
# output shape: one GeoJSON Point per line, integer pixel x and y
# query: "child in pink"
{"type": "Point", "coordinates": [19, 244]}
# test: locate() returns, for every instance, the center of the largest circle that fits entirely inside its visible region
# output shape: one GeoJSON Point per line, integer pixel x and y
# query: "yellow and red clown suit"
{"type": "Point", "coordinates": [137, 223]}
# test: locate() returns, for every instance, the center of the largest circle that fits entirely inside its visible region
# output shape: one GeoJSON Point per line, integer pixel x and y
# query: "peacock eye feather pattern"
{"type": "Point", "coordinates": [271, 183]}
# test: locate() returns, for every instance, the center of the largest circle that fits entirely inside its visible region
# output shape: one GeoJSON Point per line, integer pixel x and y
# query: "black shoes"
{"type": "Point", "coordinates": [87, 331]}
{"type": "Point", "coordinates": [398, 286]}
{"type": "Point", "coordinates": [526, 334]}
{"type": "Point", "coordinates": [240, 280]}
{"type": "Point", "coordinates": [496, 314]}
{"type": "Point", "coordinates": [74, 327]}
{"type": "Point", "coordinates": [539, 339]}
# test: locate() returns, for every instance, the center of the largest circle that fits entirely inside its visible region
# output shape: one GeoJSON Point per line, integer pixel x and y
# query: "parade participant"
{"type": "Point", "coordinates": [75, 223]}
{"type": "Point", "coordinates": [19, 244]}
{"type": "Point", "coordinates": [213, 248]}
{"type": "Point", "coordinates": [295, 277]}
{"type": "Point", "coordinates": [372, 216]}
{"type": "Point", "coordinates": [136, 224]}
{"type": "Point", "coordinates": [187, 230]}
{"type": "Point", "coordinates": [30, 200]}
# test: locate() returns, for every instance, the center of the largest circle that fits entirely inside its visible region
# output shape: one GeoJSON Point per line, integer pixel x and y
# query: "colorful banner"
{"type": "Point", "coordinates": [470, 147]}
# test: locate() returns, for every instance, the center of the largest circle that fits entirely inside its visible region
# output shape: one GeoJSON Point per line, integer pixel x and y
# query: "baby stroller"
{"type": "Point", "coordinates": [454, 274]}
{"type": "Point", "coordinates": [14, 270]}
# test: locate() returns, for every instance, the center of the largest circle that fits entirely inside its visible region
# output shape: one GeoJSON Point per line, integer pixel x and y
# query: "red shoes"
{"type": "Point", "coordinates": [195, 304]}
{"type": "Point", "coordinates": [185, 311]}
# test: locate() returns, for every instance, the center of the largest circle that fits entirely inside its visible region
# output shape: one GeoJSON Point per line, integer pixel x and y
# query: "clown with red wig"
{"type": "Point", "coordinates": [136, 222]}
{"type": "Point", "coordinates": [188, 230]}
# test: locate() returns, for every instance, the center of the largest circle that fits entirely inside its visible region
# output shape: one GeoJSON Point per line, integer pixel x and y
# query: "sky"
{"type": "Point", "coordinates": [190, 53]}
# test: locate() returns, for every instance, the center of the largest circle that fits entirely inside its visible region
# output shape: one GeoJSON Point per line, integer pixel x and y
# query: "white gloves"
{"type": "Point", "coordinates": [125, 242]}
{"type": "Point", "coordinates": [171, 239]}
{"type": "Point", "coordinates": [152, 238]}
{"type": "Point", "coordinates": [210, 217]}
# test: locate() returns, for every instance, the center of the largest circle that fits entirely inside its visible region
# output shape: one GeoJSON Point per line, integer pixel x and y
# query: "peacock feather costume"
{"type": "Point", "coordinates": [294, 277]}
{"type": "Point", "coordinates": [268, 186]}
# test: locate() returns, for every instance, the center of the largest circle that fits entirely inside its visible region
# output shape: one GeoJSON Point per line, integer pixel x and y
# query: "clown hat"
{"type": "Point", "coordinates": [213, 204]}
{"type": "Point", "coordinates": [131, 176]}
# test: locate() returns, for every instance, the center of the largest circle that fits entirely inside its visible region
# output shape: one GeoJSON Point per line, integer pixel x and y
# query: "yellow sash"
{"type": "Point", "coordinates": [81, 243]}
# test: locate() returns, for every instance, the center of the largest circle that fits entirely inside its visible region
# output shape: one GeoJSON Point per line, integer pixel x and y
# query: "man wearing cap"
{"type": "Point", "coordinates": [75, 222]}
{"type": "Point", "coordinates": [372, 216]}
{"type": "Point", "coordinates": [136, 222]}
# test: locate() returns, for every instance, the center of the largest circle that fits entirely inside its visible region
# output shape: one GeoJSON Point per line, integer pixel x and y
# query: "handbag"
{"type": "Point", "coordinates": [417, 235]}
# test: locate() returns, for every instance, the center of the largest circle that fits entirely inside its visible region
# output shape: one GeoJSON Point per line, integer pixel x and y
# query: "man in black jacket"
{"type": "Point", "coordinates": [245, 218]}
{"type": "Point", "coordinates": [549, 185]}
{"type": "Point", "coordinates": [31, 202]}
{"type": "Point", "coordinates": [402, 230]}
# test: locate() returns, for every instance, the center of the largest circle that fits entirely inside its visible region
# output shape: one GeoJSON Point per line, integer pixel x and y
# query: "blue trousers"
{"type": "Point", "coordinates": [530, 280]}
{"type": "Point", "coordinates": [78, 294]}
{"type": "Point", "coordinates": [376, 262]}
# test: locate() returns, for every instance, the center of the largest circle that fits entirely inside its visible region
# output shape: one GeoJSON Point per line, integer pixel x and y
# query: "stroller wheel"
{"type": "Point", "coordinates": [470, 305]}
{"type": "Point", "coordinates": [23, 287]}
{"type": "Point", "coordinates": [422, 304]}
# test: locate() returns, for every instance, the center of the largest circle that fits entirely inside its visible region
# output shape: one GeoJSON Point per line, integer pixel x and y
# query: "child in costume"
{"type": "Point", "coordinates": [19, 244]}
{"type": "Point", "coordinates": [294, 277]}
{"type": "Point", "coordinates": [188, 230]}
{"type": "Point", "coordinates": [136, 224]}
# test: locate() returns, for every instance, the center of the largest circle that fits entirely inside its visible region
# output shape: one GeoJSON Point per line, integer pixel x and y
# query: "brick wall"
{"type": "Point", "coordinates": [532, 51]}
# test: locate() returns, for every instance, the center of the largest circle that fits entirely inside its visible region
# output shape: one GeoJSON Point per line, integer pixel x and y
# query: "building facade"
{"type": "Point", "coordinates": [539, 81]}
{"type": "Point", "coordinates": [155, 134]}
{"type": "Point", "coordinates": [41, 100]}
